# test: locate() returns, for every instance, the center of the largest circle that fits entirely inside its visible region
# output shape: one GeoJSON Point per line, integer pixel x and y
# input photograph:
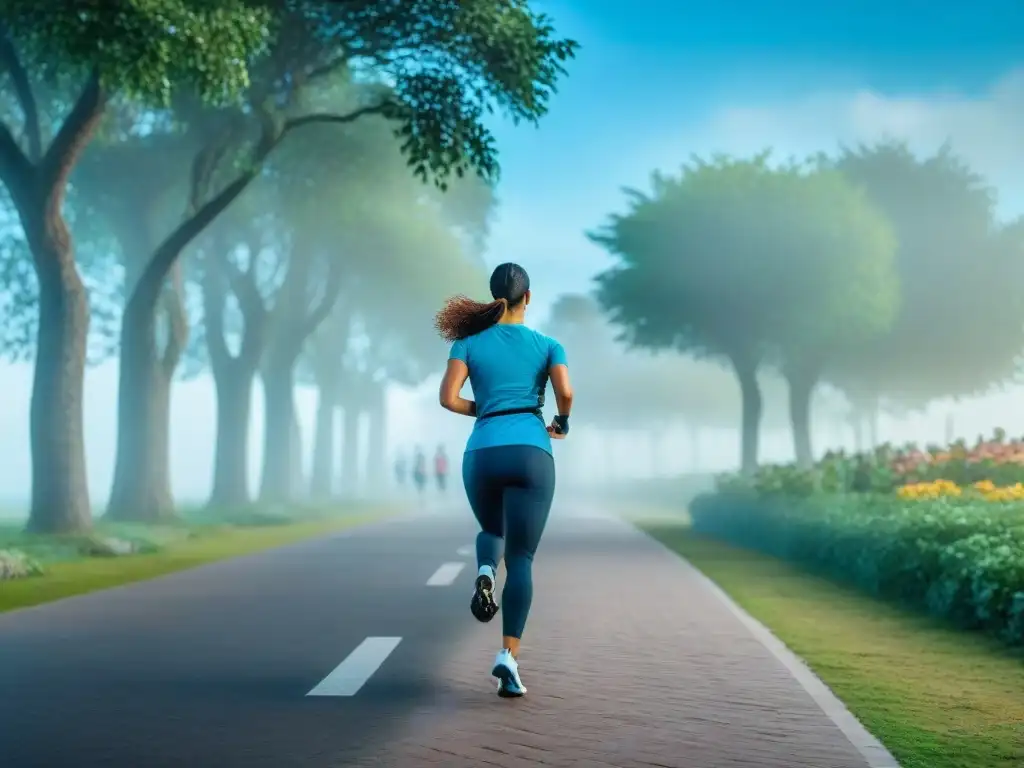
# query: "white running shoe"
{"type": "Point", "coordinates": [506, 669]}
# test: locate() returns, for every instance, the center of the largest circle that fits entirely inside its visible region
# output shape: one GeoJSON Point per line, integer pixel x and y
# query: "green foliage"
{"type": "Point", "coordinates": [19, 289]}
{"type": "Point", "coordinates": [837, 255]}
{"type": "Point", "coordinates": [144, 49]}
{"type": "Point", "coordinates": [452, 65]}
{"type": "Point", "coordinates": [962, 560]}
{"type": "Point", "coordinates": [960, 324]}
{"type": "Point", "coordinates": [736, 256]}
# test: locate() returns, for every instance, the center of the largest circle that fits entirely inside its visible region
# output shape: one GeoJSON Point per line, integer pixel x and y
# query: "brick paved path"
{"type": "Point", "coordinates": [630, 660]}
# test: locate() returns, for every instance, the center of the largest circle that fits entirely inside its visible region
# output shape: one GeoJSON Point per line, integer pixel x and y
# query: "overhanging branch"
{"type": "Point", "coordinates": [73, 135]}
{"type": "Point", "coordinates": [350, 117]}
{"type": "Point", "coordinates": [148, 288]}
{"type": "Point", "coordinates": [332, 291]}
{"type": "Point", "coordinates": [23, 91]}
{"type": "Point", "coordinates": [15, 167]}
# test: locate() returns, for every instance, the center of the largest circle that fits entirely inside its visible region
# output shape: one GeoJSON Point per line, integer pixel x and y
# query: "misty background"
{"type": "Point", "coordinates": [652, 85]}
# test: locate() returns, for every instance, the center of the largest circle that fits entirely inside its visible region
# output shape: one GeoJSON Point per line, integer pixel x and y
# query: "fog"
{"type": "Point", "coordinates": [560, 181]}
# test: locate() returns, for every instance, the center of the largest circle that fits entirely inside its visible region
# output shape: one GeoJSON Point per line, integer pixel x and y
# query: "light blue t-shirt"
{"type": "Point", "coordinates": [508, 368]}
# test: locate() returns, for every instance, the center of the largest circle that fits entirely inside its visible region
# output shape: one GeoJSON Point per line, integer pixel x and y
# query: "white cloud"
{"type": "Point", "coordinates": [986, 130]}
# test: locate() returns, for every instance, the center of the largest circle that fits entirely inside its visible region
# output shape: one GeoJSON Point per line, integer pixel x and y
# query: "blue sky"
{"type": "Point", "coordinates": [648, 69]}
{"type": "Point", "coordinates": [655, 81]}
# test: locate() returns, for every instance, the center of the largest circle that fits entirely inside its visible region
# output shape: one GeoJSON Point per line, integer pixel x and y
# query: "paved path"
{"type": "Point", "coordinates": [630, 660]}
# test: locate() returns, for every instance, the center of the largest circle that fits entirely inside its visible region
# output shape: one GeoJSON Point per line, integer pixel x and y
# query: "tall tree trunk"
{"type": "Point", "coordinates": [857, 421]}
{"type": "Point", "coordinates": [141, 488]}
{"type": "Point", "coordinates": [60, 489]}
{"type": "Point", "coordinates": [376, 448]}
{"type": "Point", "coordinates": [231, 454]}
{"type": "Point", "coordinates": [801, 390]}
{"type": "Point", "coordinates": [37, 183]}
{"type": "Point", "coordinates": [278, 403]}
{"type": "Point", "coordinates": [295, 320]}
{"type": "Point", "coordinates": [350, 450]}
{"type": "Point", "coordinates": [338, 472]}
{"type": "Point", "coordinates": [141, 400]}
{"type": "Point", "coordinates": [873, 418]}
{"type": "Point", "coordinates": [299, 489]}
{"type": "Point", "coordinates": [322, 480]}
{"type": "Point", "coordinates": [233, 374]}
{"type": "Point", "coordinates": [752, 404]}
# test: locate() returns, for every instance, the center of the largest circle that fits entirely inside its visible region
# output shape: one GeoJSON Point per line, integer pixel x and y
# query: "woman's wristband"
{"type": "Point", "coordinates": [561, 423]}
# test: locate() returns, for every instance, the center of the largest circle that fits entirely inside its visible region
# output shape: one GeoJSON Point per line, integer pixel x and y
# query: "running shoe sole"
{"type": "Point", "coordinates": [482, 604]}
{"type": "Point", "coordinates": [505, 679]}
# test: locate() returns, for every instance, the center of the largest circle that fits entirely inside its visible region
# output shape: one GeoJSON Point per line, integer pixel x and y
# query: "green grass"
{"type": "Point", "coordinates": [936, 696]}
{"type": "Point", "coordinates": [196, 539]}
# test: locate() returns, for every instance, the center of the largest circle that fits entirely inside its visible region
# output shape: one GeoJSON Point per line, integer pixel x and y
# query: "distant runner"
{"type": "Point", "coordinates": [400, 470]}
{"type": "Point", "coordinates": [419, 470]}
{"type": "Point", "coordinates": [441, 468]}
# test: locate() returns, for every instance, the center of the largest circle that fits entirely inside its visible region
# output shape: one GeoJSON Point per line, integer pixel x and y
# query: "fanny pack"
{"type": "Point", "coordinates": [535, 410]}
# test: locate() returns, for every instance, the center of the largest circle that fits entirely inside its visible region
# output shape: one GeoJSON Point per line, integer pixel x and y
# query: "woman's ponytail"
{"type": "Point", "coordinates": [462, 317]}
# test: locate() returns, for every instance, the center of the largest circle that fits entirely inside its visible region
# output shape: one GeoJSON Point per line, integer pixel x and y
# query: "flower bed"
{"type": "Point", "coordinates": [958, 558]}
{"type": "Point", "coordinates": [996, 462]}
{"type": "Point", "coordinates": [942, 528]}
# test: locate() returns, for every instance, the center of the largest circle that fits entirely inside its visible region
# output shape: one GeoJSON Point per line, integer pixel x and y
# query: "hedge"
{"type": "Point", "coordinates": [959, 559]}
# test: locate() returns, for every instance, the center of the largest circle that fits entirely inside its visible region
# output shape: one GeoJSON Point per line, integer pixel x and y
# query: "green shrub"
{"type": "Point", "coordinates": [960, 559]}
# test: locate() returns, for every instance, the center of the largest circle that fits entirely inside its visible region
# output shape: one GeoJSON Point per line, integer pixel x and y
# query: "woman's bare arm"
{"type": "Point", "coordinates": [559, 375]}
{"type": "Point", "coordinates": [454, 379]}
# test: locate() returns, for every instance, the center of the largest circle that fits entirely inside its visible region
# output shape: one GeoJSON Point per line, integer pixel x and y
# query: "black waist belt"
{"type": "Point", "coordinates": [510, 411]}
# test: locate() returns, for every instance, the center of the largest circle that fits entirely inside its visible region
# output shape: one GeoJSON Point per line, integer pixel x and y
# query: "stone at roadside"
{"type": "Point", "coordinates": [108, 546]}
{"type": "Point", "coordinates": [17, 565]}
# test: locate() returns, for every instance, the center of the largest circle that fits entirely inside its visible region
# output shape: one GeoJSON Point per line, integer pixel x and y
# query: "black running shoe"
{"type": "Point", "coordinates": [483, 605]}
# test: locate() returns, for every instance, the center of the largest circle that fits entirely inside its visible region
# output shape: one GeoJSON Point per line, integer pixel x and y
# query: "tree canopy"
{"type": "Point", "coordinates": [748, 262]}
{"type": "Point", "coordinates": [960, 324]}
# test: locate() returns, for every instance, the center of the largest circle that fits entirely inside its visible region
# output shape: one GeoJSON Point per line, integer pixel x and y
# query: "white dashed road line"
{"type": "Point", "coordinates": [352, 674]}
{"type": "Point", "coordinates": [445, 575]}
{"type": "Point", "coordinates": [466, 551]}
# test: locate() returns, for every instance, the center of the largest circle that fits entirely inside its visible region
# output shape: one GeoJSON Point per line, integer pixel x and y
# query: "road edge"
{"type": "Point", "coordinates": [869, 747]}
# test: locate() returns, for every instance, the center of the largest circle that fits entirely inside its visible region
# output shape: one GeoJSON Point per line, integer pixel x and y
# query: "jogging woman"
{"type": "Point", "coordinates": [508, 468]}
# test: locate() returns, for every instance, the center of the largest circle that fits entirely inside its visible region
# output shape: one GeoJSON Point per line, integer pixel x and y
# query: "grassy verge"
{"type": "Point", "coordinates": [196, 539]}
{"type": "Point", "coordinates": [937, 697]}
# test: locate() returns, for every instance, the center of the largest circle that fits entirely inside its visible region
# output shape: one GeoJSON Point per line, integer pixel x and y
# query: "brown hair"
{"type": "Point", "coordinates": [462, 317]}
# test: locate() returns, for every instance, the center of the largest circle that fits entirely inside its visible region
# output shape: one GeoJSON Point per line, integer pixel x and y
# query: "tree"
{"type": "Point", "coordinates": [238, 270]}
{"type": "Point", "coordinates": [447, 66]}
{"type": "Point", "coordinates": [630, 389]}
{"type": "Point", "coordinates": [835, 252]}
{"type": "Point", "coordinates": [960, 324]}
{"type": "Point", "coordinates": [691, 273]}
{"type": "Point", "coordinates": [143, 51]}
{"type": "Point", "coordinates": [723, 262]}
{"type": "Point", "coordinates": [422, 257]}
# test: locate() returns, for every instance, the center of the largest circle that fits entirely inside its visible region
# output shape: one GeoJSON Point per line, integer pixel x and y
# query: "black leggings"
{"type": "Point", "coordinates": [510, 488]}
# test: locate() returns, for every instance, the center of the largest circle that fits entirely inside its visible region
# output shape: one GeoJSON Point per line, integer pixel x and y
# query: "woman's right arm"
{"type": "Point", "coordinates": [559, 375]}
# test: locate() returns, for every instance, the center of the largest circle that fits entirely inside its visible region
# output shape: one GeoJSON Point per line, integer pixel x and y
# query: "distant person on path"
{"type": "Point", "coordinates": [400, 469]}
{"type": "Point", "coordinates": [441, 468]}
{"type": "Point", "coordinates": [508, 468]}
{"type": "Point", "coordinates": [419, 470]}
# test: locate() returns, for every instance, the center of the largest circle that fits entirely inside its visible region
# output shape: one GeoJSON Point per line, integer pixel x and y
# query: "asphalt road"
{"type": "Point", "coordinates": [214, 667]}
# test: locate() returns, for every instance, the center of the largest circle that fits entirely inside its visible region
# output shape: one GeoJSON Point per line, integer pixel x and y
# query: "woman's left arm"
{"type": "Point", "coordinates": [454, 379]}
